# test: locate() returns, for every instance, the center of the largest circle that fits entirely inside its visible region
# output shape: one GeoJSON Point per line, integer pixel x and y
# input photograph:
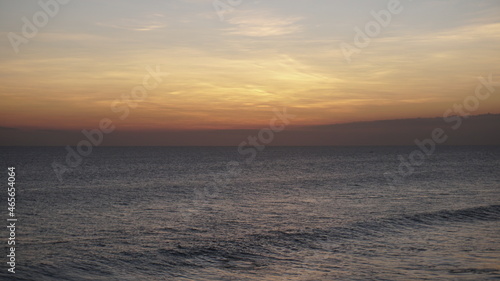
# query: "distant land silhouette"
{"type": "Point", "coordinates": [474, 130]}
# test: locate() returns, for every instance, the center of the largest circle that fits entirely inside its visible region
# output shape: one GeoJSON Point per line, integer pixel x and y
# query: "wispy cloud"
{"type": "Point", "coordinates": [145, 23]}
{"type": "Point", "coordinates": [264, 54]}
{"type": "Point", "coordinates": [258, 24]}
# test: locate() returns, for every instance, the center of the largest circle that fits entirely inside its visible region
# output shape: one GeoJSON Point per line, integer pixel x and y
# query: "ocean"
{"type": "Point", "coordinates": [292, 213]}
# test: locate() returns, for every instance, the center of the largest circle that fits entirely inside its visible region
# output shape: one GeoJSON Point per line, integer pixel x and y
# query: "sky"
{"type": "Point", "coordinates": [229, 66]}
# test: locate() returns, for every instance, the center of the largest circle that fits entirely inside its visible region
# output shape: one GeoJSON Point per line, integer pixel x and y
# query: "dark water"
{"type": "Point", "coordinates": [324, 213]}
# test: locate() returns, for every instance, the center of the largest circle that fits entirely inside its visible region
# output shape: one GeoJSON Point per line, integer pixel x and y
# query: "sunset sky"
{"type": "Point", "coordinates": [232, 73]}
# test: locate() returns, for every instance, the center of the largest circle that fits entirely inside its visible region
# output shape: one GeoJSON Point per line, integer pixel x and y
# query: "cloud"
{"type": "Point", "coordinates": [476, 130]}
{"type": "Point", "coordinates": [145, 23]}
{"type": "Point", "coordinates": [8, 129]}
{"type": "Point", "coordinates": [258, 24]}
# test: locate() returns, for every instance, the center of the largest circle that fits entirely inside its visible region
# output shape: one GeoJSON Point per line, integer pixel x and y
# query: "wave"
{"type": "Point", "coordinates": [485, 213]}
{"type": "Point", "coordinates": [260, 249]}
{"type": "Point", "coordinates": [482, 213]}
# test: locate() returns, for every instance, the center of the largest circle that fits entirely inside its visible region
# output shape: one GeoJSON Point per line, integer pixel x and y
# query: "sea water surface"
{"type": "Point", "coordinates": [293, 213]}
